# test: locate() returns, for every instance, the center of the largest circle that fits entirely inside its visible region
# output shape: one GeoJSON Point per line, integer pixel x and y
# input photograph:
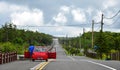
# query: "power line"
{"type": "Point", "coordinates": [114, 21]}
{"type": "Point", "coordinates": [113, 16]}
{"type": "Point", "coordinates": [51, 25]}
{"type": "Point", "coordinates": [98, 28]}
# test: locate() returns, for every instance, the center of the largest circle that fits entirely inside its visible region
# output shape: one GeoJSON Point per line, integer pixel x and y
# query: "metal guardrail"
{"type": "Point", "coordinates": [8, 57]}
{"type": "Point", "coordinates": [115, 56]}
{"type": "Point", "coordinates": [92, 54]}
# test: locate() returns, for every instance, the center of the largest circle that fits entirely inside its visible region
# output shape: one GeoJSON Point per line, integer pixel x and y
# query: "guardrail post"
{"type": "Point", "coordinates": [12, 56]}
{"type": "Point", "coordinates": [7, 57]}
{"type": "Point", "coordinates": [0, 58]}
{"type": "Point", "coordinates": [3, 58]}
{"type": "Point", "coordinates": [15, 55]}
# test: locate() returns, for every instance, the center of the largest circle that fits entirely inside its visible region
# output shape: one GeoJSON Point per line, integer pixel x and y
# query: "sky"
{"type": "Point", "coordinates": [61, 17]}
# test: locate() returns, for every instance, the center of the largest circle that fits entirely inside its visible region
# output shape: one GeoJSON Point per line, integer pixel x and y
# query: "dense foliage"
{"type": "Point", "coordinates": [104, 43]}
{"type": "Point", "coordinates": [11, 37]}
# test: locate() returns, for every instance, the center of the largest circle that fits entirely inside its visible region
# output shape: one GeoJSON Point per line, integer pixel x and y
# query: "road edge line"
{"type": "Point", "coordinates": [71, 58]}
{"type": "Point", "coordinates": [101, 65]}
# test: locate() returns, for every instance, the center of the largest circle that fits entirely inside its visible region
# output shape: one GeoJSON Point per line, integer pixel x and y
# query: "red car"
{"type": "Point", "coordinates": [40, 53]}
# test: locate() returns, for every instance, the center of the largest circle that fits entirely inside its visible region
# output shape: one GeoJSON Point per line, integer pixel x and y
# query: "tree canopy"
{"type": "Point", "coordinates": [10, 33]}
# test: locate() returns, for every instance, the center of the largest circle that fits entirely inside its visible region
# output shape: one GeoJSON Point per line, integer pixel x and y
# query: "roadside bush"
{"type": "Point", "coordinates": [7, 47]}
{"type": "Point", "coordinates": [10, 47]}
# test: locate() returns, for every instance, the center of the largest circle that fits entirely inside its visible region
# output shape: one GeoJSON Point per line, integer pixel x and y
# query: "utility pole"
{"type": "Point", "coordinates": [83, 30]}
{"type": "Point", "coordinates": [84, 42]}
{"type": "Point", "coordinates": [92, 33]}
{"type": "Point", "coordinates": [102, 24]}
{"type": "Point", "coordinates": [80, 41]}
{"type": "Point", "coordinates": [66, 40]}
{"type": "Point", "coordinates": [84, 36]}
{"type": "Point", "coordinates": [101, 37]}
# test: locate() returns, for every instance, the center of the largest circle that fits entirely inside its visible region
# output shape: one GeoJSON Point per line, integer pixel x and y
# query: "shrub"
{"type": "Point", "coordinates": [7, 47]}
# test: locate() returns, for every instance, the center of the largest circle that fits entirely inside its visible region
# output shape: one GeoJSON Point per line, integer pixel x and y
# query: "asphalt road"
{"type": "Point", "coordinates": [19, 65]}
{"type": "Point", "coordinates": [64, 62]}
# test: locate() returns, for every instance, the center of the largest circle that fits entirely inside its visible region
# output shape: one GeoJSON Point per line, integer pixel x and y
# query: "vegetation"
{"type": "Point", "coordinates": [104, 43]}
{"type": "Point", "coordinates": [71, 45]}
{"type": "Point", "coordinates": [12, 39]}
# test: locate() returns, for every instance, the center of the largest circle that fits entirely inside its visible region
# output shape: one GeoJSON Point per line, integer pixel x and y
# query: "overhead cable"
{"type": "Point", "coordinates": [113, 16]}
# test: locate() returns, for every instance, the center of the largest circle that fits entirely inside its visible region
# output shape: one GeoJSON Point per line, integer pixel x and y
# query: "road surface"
{"type": "Point", "coordinates": [19, 65]}
{"type": "Point", "coordinates": [64, 62]}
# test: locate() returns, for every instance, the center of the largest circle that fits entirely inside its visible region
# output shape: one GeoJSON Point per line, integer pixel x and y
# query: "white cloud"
{"type": "Point", "coordinates": [72, 31]}
{"type": "Point", "coordinates": [3, 7]}
{"type": "Point", "coordinates": [9, 8]}
{"type": "Point", "coordinates": [89, 10]}
{"type": "Point", "coordinates": [98, 15]}
{"type": "Point", "coordinates": [60, 18]}
{"type": "Point", "coordinates": [109, 3]}
{"type": "Point", "coordinates": [78, 15]}
{"type": "Point", "coordinates": [67, 14]}
{"type": "Point", "coordinates": [108, 14]}
{"type": "Point", "coordinates": [62, 31]}
{"type": "Point", "coordinates": [22, 15]}
{"type": "Point", "coordinates": [69, 31]}
{"type": "Point", "coordinates": [33, 17]}
{"type": "Point", "coordinates": [59, 29]}
{"type": "Point", "coordinates": [108, 22]}
{"type": "Point", "coordinates": [65, 9]}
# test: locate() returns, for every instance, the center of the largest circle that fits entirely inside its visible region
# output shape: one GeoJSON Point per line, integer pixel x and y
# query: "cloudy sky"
{"type": "Point", "coordinates": [61, 17]}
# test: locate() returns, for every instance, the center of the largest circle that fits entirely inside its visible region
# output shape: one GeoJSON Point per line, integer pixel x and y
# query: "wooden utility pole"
{"type": "Point", "coordinates": [66, 40]}
{"type": "Point", "coordinates": [92, 33]}
{"type": "Point", "coordinates": [85, 50]}
{"type": "Point", "coordinates": [102, 23]}
{"type": "Point", "coordinates": [84, 36]}
{"type": "Point", "coordinates": [83, 30]}
{"type": "Point", "coordinates": [80, 41]}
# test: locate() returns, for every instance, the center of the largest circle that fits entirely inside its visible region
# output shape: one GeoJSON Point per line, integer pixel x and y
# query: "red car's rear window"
{"type": "Point", "coordinates": [38, 49]}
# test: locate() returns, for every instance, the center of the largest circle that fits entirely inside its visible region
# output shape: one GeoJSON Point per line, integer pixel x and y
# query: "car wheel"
{"type": "Point", "coordinates": [46, 60]}
{"type": "Point", "coordinates": [33, 59]}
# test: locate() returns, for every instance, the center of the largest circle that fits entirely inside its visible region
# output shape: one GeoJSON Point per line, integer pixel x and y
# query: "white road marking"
{"type": "Point", "coordinates": [71, 58]}
{"type": "Point", "coordinates": [101, 65]}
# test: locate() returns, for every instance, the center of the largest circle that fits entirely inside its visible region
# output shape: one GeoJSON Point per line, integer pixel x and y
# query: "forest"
{"type": "Point", "coordinates": [103, 43]}
{"type": "Point", "coordinates": [14, 39]}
